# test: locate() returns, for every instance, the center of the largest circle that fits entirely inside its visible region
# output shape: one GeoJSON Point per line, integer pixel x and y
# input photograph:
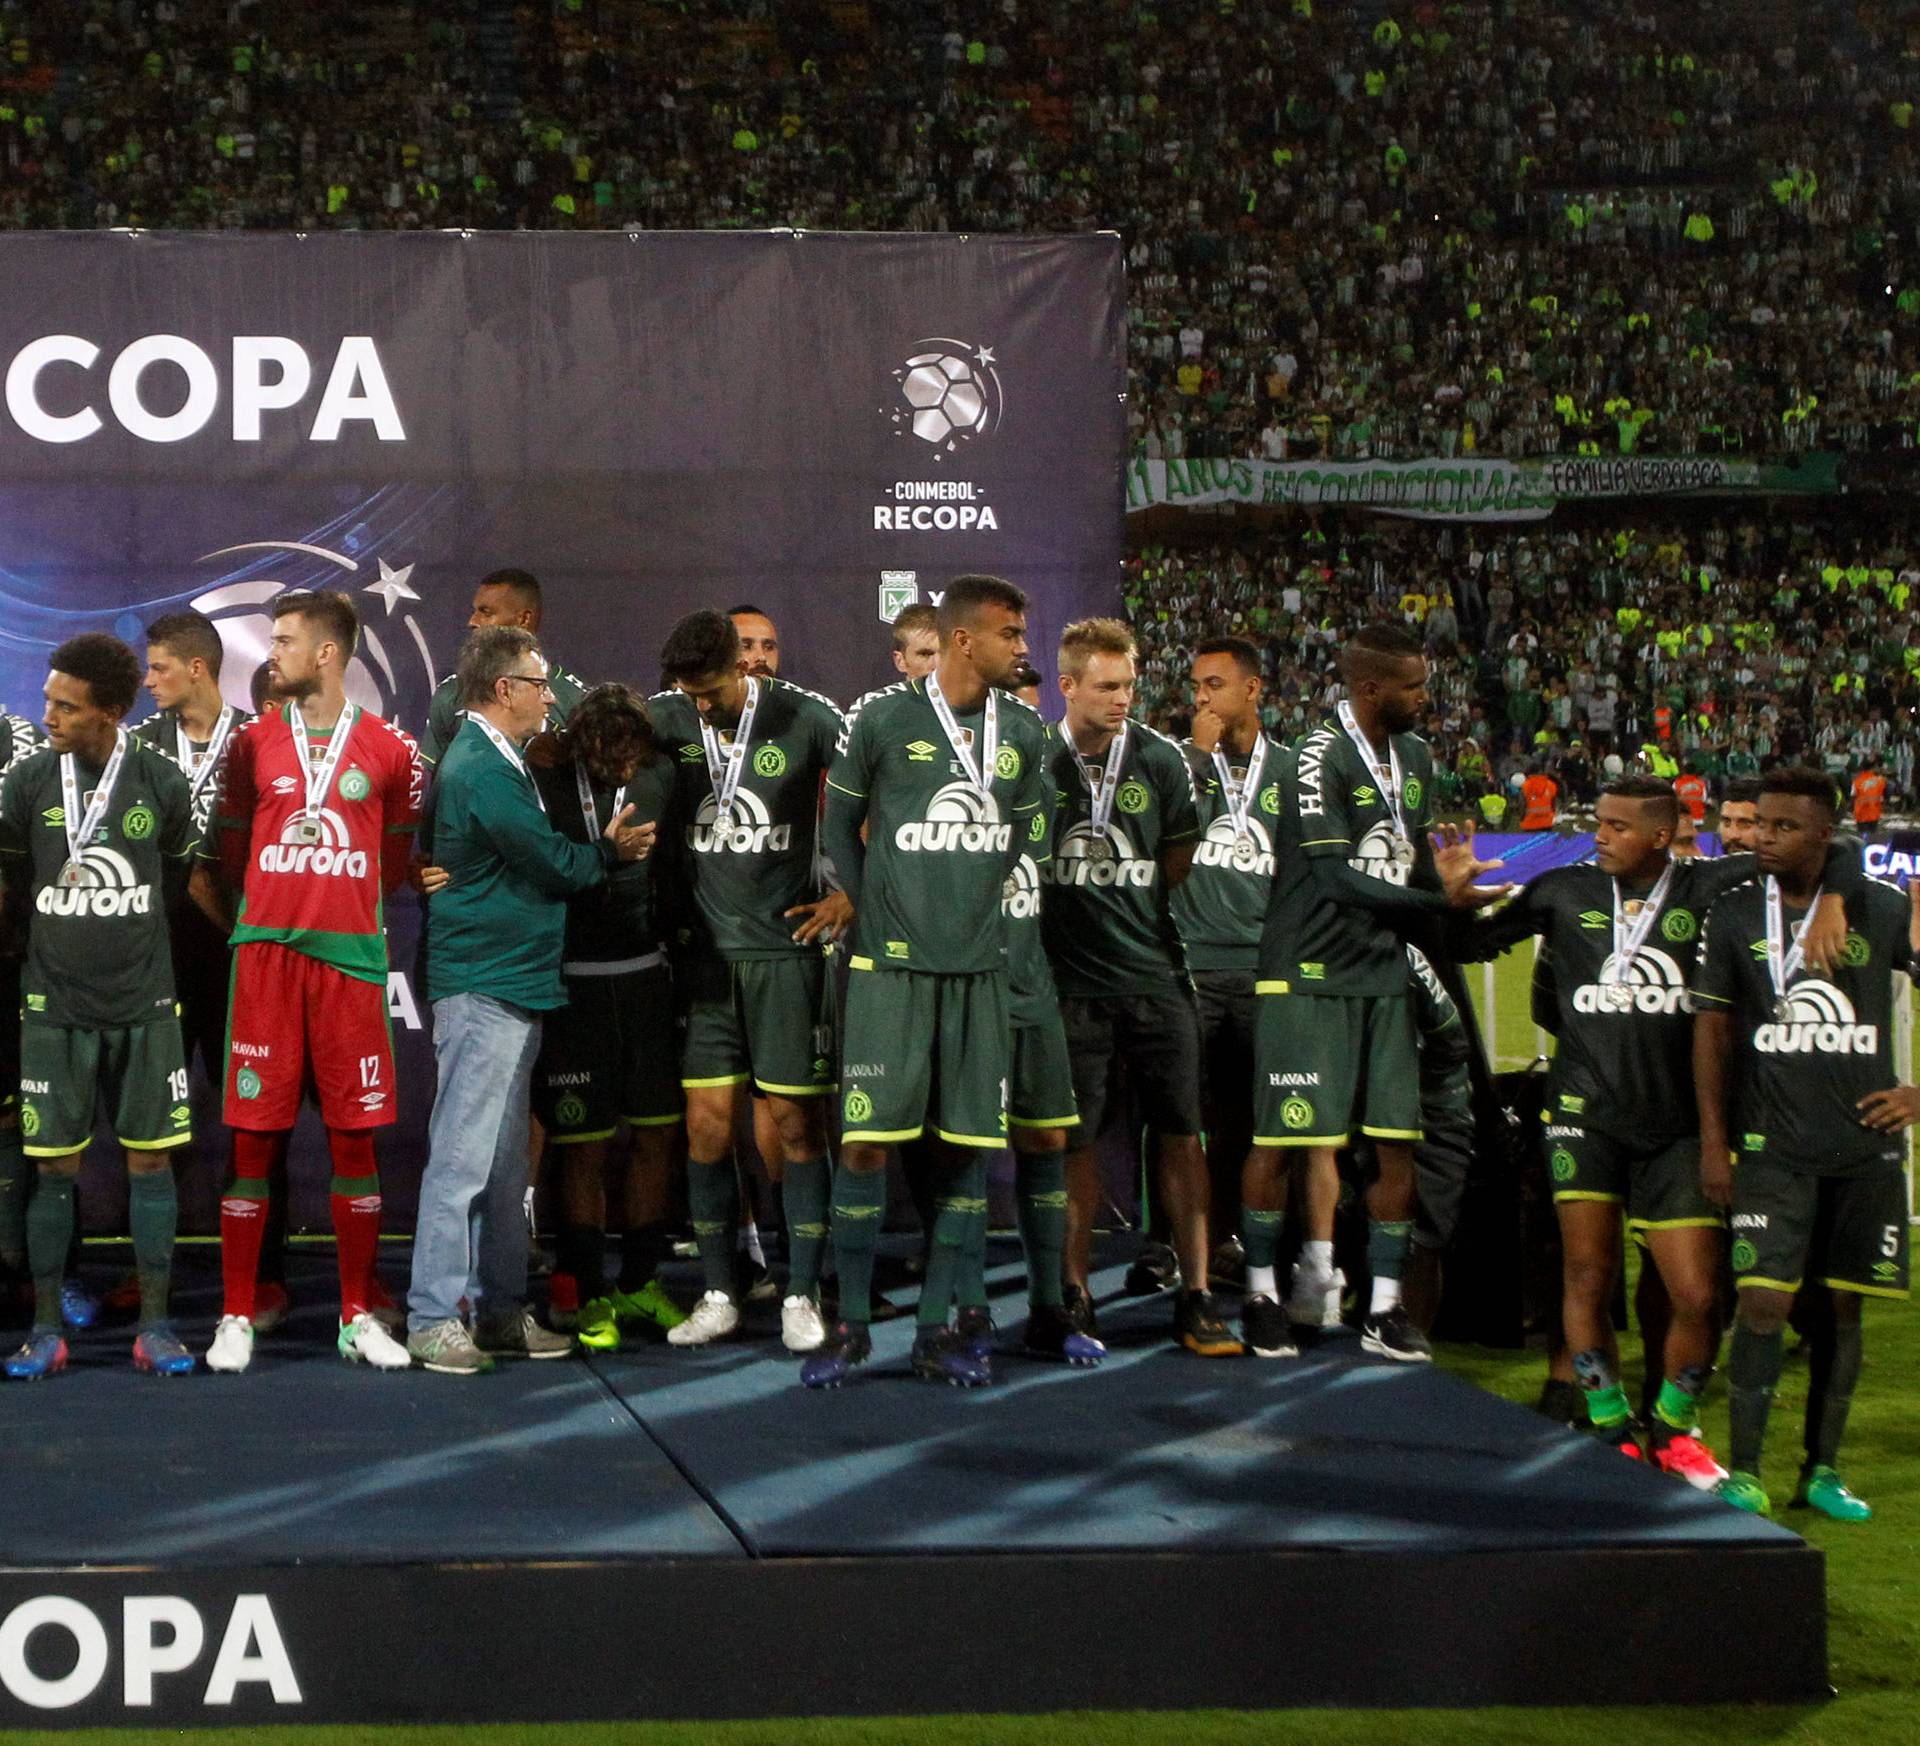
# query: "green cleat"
{"type": "Point", "coordinates": [1821, 1489]}
{"type": "Point", "coordinates": [597, 1326]}
{"type": "Point", "coordinates": [649, 1304]}
{"type": "Point", "coordinates": [1745, 1492]}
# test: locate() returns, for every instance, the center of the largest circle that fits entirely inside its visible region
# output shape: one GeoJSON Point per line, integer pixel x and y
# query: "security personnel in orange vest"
{"type": "Point", "coordinates": [1663, 722]}
{"type": "Point", "coordinates": [1692, 793]}
{"type": "Point", "coordinates": [1869, 796]}
{"type": "Point", "coordinates": [1538, 794]}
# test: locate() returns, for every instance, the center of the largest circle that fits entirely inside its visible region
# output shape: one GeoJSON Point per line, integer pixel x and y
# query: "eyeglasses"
{"type": "Point", "coordinates": [528, 679]}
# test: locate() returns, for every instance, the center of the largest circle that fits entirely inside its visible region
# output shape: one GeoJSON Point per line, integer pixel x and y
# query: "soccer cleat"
{"type": "Point", "coordinates": [232, 1348]}
{"type": "Point", "coordinates": [1229, 1263]}
{"type": "Point", "coordinates": [516, 1334]}
{"type": "Point", "coordinates": [159, 1351]}
{"type": "Point", "coordinates": [447, 1349]}
{"type": "Point", "coordinates": [1051, 1334]}
{"type": "Point", "coordinates": [941, 1355]}
{"type": "Point", "coordinates": [270, 1306]}
{"type": "Point", "coordinates": [714, 1317]}
{"type": "Point", "coordinates": [651, 1303]}
{"type": "Point", "coordinates": [43, 1354]}
{"type": "Point", "coordinates": [801, 1327]}
{"type": "Point", "coordinates": [79, 1308]}
{"type": "Point", "coordinates": [755, 1281]}
{"type": "Point", "coordinates": [1624, 1437]}
{"type": "Point", "coordinates": [1391, 1334]}
{"type": "Point", "coordinates": [847, 1347]}
{"type": "Point", "coordinates": [1821, 1489]}
{"type": "Point", "coordinates": [1563, 1402]}
{"type": "Point", "coordinates": [1263, 1324]}
{"type": "Point", "coordinates": [596, 1326]}
{"type": "Point", "coordinates": [1314, 1301]}
{"type": "Point", "coordinates": [366, 1341]}
{"type": "Point", "coordinates": [974, 1325]}
{"type": "Point", "coordinates": [1155, 1268]}
{"type": "Point", "coordinates": [380, 1306]}
{"type": "Point", "coordinates": [1079, 1312]}
{"type": "Point", "coordinates": [1199, 1326]}
{"type": "Point", "coordinates": [1745, 1492]}
{"type": "Point", "coordinates": [1689, 1459]}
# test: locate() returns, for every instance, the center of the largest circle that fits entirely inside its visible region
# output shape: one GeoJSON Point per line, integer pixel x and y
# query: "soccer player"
{"type": "Point", "coordinates": [606, 1056]}
{"type": "Point", "coordinates": [1622, 1124]}
{"type": "Point", "coordinates": [19, 739]}
{"type": "Point", "coordinates": [95, 832]}
{"type": "Point", "coordinates": [1800, 1068]}
{"type": "Point", "coordinates": [1334, 1042]}
{"type": "Point", "coordinates": [916, 639]}
{"type": "Point", "coordinates": [948, 778]}
{"type": "Point", "coordinates": [1125, 825]}
{"type": "Point", "coordinates": [1219, 908]}
{"type": "Point", "coordinates": [313, 828]}
{"type": "Point", "coordinates": [1739, 815]}
{"type": "Point", "coordinates": [759, 641]}
{"type": "Point", "coordinates": [752, 977]}
{"type": "Point", "coordinates": [502, 597]}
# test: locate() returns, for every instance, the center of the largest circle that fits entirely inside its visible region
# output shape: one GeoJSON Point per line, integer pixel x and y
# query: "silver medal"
{"type": "Point", "coordinates": [306, 830]}
{"type": "Point", "coordinates": [1099, 849]}
{"type": "Point", "coordinates": [70, 875]}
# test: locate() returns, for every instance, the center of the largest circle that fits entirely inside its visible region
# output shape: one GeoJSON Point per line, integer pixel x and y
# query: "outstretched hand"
{"type": "Point", "coordinates": [1461, 869]}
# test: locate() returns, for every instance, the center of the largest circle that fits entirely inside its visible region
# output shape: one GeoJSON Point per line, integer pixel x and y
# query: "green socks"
{"type": "Point", "coordinates": [153, 1216]}
{"type": "Point", "coordinates": [713, 1198]}
{"type": "Point", "coordinates": [804, 1192]}
{"type": "Point", "coordinates": [1260, 1232]}
{"type": "Point", "coordinates": [859, 1202]}
{"type": "Point", "coordinates": [1753, 1373]}
{"type": "Point", "coordinates": [1606, 1400]}
{"type": "Point", "coordinates": [959, 1210]}
{"type": "Point", "coordinates": [1833, 1369]}
{"type": "Point", "coordinates": [1388, 1241]}
{"type": "Point", "coordinates": [49, 1232]}
{"type": "Point", "coordinates": [1040, 1208]}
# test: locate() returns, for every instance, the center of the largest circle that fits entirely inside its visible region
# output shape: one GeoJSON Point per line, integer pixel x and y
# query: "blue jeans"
{"type": "Point", "coordinates": [471, 1197]}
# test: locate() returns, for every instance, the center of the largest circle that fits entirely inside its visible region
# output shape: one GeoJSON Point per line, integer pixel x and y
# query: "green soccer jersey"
{"type": "Point", "coordinates": [162, 732]}
{"type": "Point", "coordinates": [444, 711]}
{"type": "Point", "coordinates": [938, 848]}
{"type": "Point", "coordinates": [1220, 905]}
{"type": "Point", "coordinates": [1622, 1061]}
{"type": "Point", "coordinates": [1350, 881]}
{"type": "Point", "coordinates": [619, 919]}
{"type": "Point", "coordinates": [98, 952]}
{"type": "Point", "coordinates": [745, 878]}
{"type": "Point", "coordinates": [1031, 996]}
{"type": "Point", "coordinates": [1109, 926]}
{"type": "Point", "coordinates": [1798, 1080]}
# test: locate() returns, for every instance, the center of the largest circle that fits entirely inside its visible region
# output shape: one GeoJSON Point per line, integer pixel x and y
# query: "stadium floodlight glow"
{"type": "Point", "coordinates": [269, 373]}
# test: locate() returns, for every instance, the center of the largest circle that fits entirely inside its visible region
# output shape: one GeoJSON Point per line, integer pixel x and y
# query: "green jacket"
{"type": "Point", "coordinates": [500, 926]}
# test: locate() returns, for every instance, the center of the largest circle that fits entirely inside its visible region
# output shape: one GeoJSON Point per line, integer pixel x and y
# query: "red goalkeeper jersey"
{"type": "Point", "coordinates": [314, 879]}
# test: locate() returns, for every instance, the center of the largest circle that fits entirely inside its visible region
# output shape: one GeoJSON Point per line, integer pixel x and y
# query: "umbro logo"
{"type": "Point", "coordinates": [1364, 795]}
{"type": "Point", "coordinates": [921, 752]}
{"type": "Point", "coordinates": [1593, 918]}
{"type": "Point", "coordinates": [691, 753]}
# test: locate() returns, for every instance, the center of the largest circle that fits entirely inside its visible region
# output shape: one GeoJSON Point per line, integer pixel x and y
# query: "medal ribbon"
{"type": "Point", "coordinates": [201, 773]}
{"type": "Point", "coordinates": [506, 748]}
{"type": "Point", "coordinates": [320, 781]}
{"type": "Point", "coordinates": [591, 813]}
{"type": "Point", "coordinates": [82, 834]}
{"type": "Point", "coordinates": [980, 774]}
{"type": "Point", "coordinates": [1100, 795]}
{"type": "Point", "coordinates": [1240, 796]}
{"type": "Point", "coordinates": [1783, 963]}
{"type": "Point", "coordinates": [724, 767]}
{"type": "Point", "coordinates": [1388, 779]}
{"type": "Point", "coordinates": [1627, 941]}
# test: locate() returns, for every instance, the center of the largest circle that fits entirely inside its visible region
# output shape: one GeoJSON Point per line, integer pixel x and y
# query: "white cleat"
{"type": "Point", "coordinates": [714, 1317]}
{"type": "Point", "coordinates": [1315, 1299]}
{"type": "Point", "coordinates": [232, 1348]}
{"type": "Point", "coordinates": [802, 1328]}
{"type": "Point", "coordinates": [365, 1341]}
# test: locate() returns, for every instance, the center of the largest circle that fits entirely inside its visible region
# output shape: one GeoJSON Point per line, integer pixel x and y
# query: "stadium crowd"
{"type": "Point", "coordinates": [1351, 230]}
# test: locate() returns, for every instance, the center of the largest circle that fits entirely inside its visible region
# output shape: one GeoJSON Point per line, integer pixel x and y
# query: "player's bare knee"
{"type": "Point", "coordinates": [863, 1160]}
{"type": "Point", "coordinates": [1764, 1312]}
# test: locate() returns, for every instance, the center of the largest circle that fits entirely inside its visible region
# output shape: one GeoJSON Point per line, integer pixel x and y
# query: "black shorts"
{"type": "Point", "coordinates": [1224, 1001]}
{"type": "Point", "coordinates": [1792, 1228]}
{"type": "Point", "coordinates": [1154, 1040]}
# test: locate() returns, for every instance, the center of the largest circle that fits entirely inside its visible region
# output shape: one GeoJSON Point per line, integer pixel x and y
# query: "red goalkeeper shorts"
{"type": "Point", "coordinates": [294, 1022]}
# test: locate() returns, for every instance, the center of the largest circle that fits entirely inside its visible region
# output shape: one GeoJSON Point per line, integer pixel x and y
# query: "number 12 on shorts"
{"type": "Point", "coordinates": [369, 1072]}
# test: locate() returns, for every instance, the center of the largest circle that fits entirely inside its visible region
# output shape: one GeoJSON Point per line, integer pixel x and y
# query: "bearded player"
{"type": "Point", "coordinates": [317, 812]}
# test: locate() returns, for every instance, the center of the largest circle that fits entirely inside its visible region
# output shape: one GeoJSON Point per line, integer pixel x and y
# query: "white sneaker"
{"type": "Point", "coordinates": [714, 1317]}
{"type": "Point", "coordinates": [232, 1348]}
{"type": "Point", "coordinates": [802, 1328]}
{"type": "Point", "coordinates": [1315, 1299]}
{"type": "Point", "coordinates": [364, 1341]}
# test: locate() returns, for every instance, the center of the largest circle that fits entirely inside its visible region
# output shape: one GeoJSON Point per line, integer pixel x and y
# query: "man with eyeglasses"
{"type": "Point", "coordinates": [499, 929]}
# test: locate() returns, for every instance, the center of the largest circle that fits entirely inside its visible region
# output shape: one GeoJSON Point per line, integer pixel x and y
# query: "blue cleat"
{"type": "Point", "coordinates": [976, 1330]}
{"type": "Point", "coordinates": [158, 1351]}
{"type": "Point", "coordinates": [941, 1355]}
{"type": "Point", "coordinates": [43, 1354]}
{"type": "Point", "coordinates": [848, 1346]}
{"type": "Point", "coordinates": [1051, 1334]}
{"type": "Point", "coordinates": [79, 1308]}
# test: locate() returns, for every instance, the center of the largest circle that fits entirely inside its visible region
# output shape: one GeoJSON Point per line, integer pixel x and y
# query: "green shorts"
{"type": "Point", "coordinates": [1792, 1228]}
{"type": "Point", "coordinates": [1658, 1186]}
{"type": "Point", "coordinates": [919, 1044]}
{"type": "Point", "coordinates": [768, 1020]}
{"type": "Point", "coordinates": [606, 1055]}
{"type": "Point", "coordinates": [1040, 1079]}
{"type": "Point", "coordinates": [1325, 1064]}
{"type": "Point", "coordinates": [139, 1072]}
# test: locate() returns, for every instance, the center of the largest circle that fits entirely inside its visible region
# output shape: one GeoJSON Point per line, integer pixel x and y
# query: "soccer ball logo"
{"type": "Point", "coordinates": [948, 394]}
